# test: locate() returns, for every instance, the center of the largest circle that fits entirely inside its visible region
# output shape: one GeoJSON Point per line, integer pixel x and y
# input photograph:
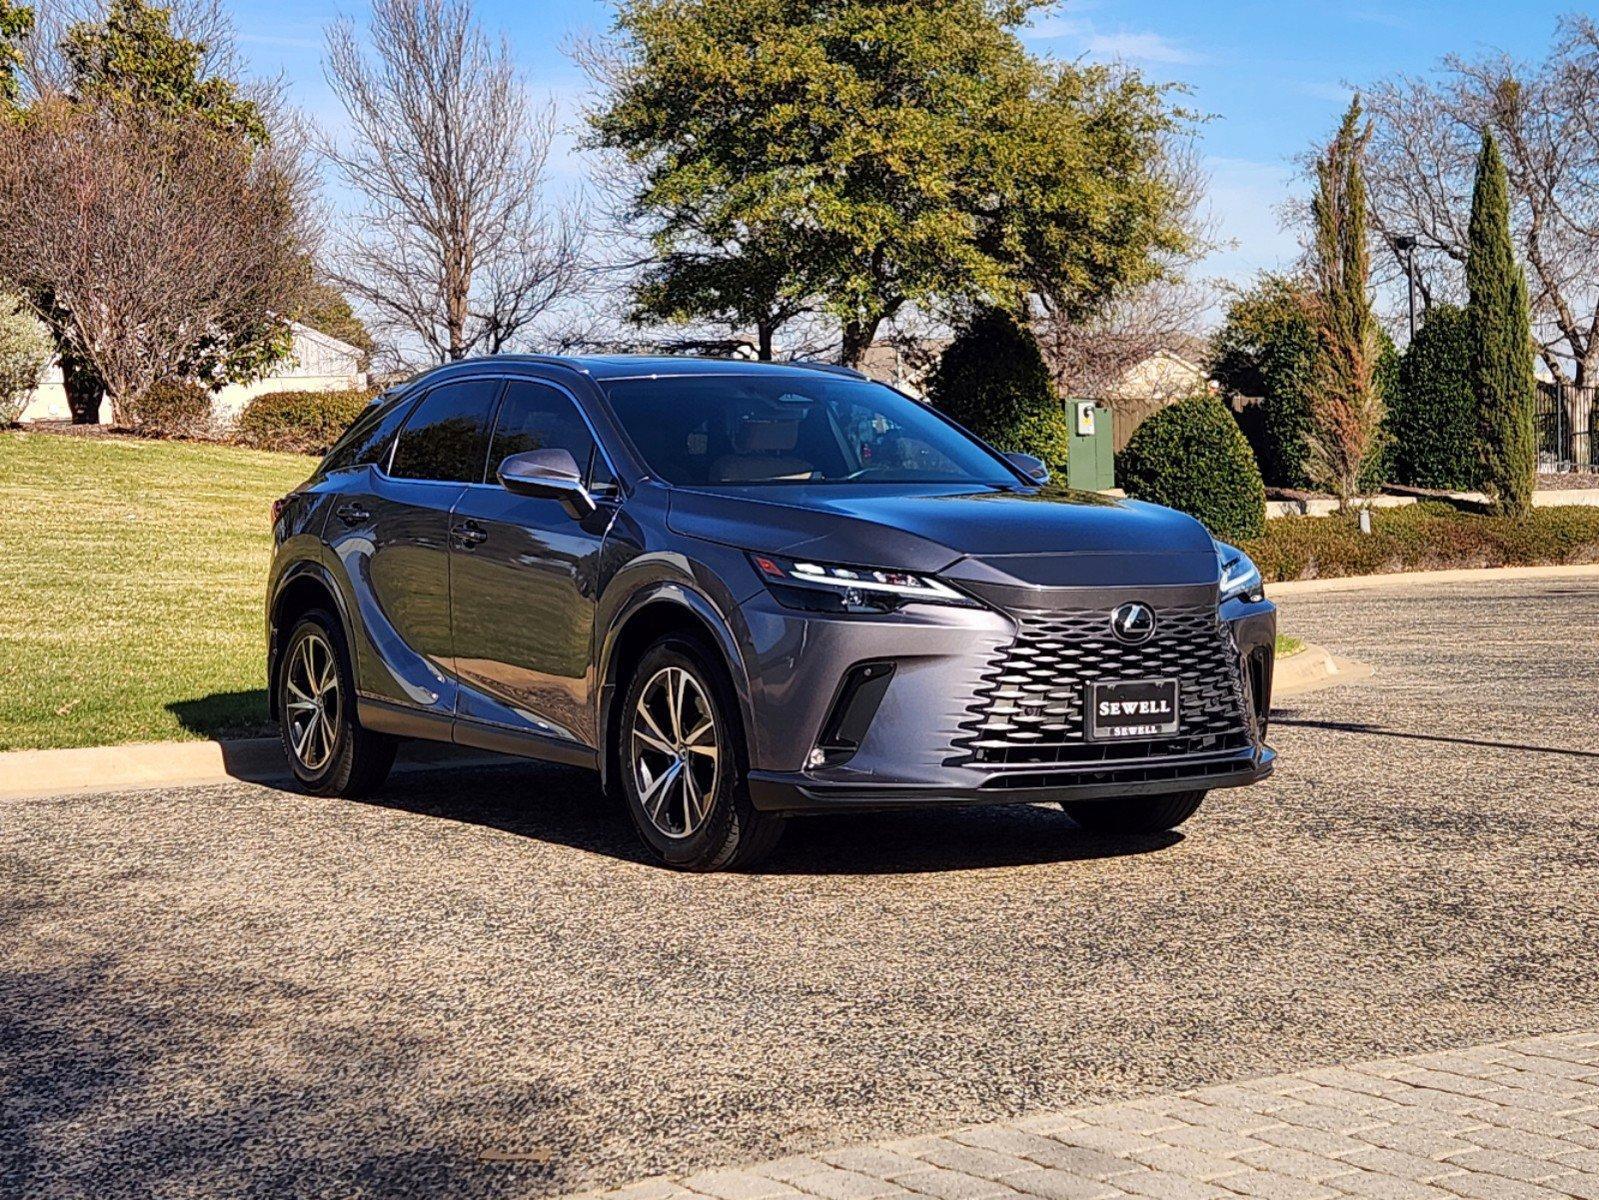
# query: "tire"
{"type": "Point", "coordinates": [684, 777]}
{"type": "Point", "coordinates": [328, 751]}
{"type": "Point", "coordinates": [1136, 814]}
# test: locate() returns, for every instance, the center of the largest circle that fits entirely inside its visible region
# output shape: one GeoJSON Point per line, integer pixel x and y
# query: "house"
{"type": "Point", "coordinates": [317, 363]}
{"type": "Point", "coordinates": [1152, 383]}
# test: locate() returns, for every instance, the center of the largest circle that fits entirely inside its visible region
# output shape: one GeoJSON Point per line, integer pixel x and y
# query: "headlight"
{"type": "Point", "coordinates": [1240, 578]}
{"type": "Point", "coordinates": [822, 588]}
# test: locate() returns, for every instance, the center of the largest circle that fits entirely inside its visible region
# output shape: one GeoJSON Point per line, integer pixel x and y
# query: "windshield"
{"type": "Point", "coordinates": [768, 429]}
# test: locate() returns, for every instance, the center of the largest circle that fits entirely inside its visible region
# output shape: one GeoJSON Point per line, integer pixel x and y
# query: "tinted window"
{"type": "Point", "coordinates": [367, 439]}
{"type": "Point", "coordinates": [776, 429]}
{"type": "Point", "coordinates": [444, 438]}
{"type": "Point", "coordinates": [533, 417]}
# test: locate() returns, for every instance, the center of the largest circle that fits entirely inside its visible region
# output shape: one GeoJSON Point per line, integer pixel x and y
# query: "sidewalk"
{"type": "Point", "coordinates": [1516, 1121]}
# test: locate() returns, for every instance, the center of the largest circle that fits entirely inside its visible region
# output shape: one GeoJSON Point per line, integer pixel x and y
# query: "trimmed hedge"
{"type": "Point", "coordinates": [1433, 418]}
{"type": "Point", "coordinates": [1429, 536]}
{"type": "Point", "coordinates": [173, 409]}
{"type": "Point", "coordinates": [299, 422]}
{"type": "Point", "coordinates": [1193, 457]}
{"type": "Point", "coordinates": [993, 379]}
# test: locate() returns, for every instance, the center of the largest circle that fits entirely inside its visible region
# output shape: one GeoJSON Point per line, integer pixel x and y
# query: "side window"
{"type": "Point", "coordinates": [444, 438]}
{"type": "Point", "coordinates": [534, 417]}
{"type": "Point", "coordinates": [367, 439]}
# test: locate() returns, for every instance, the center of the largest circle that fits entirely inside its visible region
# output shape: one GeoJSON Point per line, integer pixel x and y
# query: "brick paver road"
{"type": "Point", "coordinates": [1515, 1121]}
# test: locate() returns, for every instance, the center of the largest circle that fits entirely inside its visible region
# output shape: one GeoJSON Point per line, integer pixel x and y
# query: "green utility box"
{"type": "Point", "coordinates": [1091, 456]}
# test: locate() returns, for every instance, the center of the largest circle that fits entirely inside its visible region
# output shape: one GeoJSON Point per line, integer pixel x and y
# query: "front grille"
{"type": "Point", "coordinates": [1030, 709]}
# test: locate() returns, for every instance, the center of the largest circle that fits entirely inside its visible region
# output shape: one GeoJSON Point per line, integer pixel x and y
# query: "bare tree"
{"type": "Point", "coordinates": [1087, 356]}
{"type": "Point", "coordinates": [452, 247]}
{"type": "Point", "coordinates": [1545, 117]}
{"type": "Point", "coordinates": [154, 234]}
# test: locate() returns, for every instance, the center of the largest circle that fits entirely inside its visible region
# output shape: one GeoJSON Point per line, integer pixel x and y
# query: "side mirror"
{"type": "Point", "coordinates": [549, 475]}
{"type": "Point", "coordinates": [1029, 466]}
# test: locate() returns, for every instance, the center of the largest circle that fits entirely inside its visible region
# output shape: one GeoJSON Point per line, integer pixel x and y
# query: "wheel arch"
{"type": "Point", "coordinates": [650, 615]}
{"type": "Point", "coordinates": [303, 588]}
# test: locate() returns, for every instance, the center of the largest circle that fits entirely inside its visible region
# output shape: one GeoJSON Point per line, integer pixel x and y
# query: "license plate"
{"type": "Point", "coordinates": [1145, 708]}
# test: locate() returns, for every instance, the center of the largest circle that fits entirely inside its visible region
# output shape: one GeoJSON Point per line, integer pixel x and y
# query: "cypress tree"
{"type": "Point", "coordinates": [1346, 405]}
{"type": "Point", "coordinates": [1502, 379]}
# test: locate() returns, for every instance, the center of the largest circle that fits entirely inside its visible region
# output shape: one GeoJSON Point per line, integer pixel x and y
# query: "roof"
{"type": "Point", "coordinates": [326, 340]}
{"type": "Point", "coordinates": [633, 366]}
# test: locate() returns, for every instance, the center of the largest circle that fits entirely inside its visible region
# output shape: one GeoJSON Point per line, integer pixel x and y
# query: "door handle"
{"type": "Point", "coordinates": [469, 535]}
{"type": "Point", "coordinates": [351, 514]}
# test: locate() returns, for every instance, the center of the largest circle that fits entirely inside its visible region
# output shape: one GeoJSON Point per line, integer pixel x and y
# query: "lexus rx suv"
{"type": "Point", "coordinates": [742, 591]}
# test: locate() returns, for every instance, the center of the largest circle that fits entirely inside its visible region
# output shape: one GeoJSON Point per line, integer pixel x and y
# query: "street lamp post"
{"type": "Point", "coordinates": [1405, 247]}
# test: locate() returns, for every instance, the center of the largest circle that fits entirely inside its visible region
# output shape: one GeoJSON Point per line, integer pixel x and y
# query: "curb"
{"type": "Point", "coordinates": [1313, 669]}
{"type": "Point", "coordinates": [1396, 579]}
{"type": "Point", "coordinates": [37, 774]}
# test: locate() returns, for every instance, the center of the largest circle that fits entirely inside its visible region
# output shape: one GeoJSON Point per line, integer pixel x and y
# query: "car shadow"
{"type": "Point", "coordinates": [237, 714]}
{"type": "Point", "coordinates": [564, 806]}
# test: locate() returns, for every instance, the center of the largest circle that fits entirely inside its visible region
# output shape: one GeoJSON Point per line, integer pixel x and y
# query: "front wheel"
{"type": "Point", "coordinates": [328, 750]}
{"type": "Point", "coordinates": [1136, 814]}
{"type": "Point", "coordinates": [682, 761]}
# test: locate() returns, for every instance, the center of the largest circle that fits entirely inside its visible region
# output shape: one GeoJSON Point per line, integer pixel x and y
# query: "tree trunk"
{"type": "Point", "coordinates": [764, 333]}
{"type": "Point", "coordinates": [858, 338]}
{"type": "Point", "coordinates": [84, 390]}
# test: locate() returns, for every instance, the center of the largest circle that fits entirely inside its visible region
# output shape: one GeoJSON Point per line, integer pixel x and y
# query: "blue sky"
{"type": "Point", "coordinates": [1272, 75]}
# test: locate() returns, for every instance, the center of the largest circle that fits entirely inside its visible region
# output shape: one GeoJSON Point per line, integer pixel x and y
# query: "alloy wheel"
{"type": "Point", "coordinates": [314, 703]}
{"type": "Point", "coordinates": [676, 754]}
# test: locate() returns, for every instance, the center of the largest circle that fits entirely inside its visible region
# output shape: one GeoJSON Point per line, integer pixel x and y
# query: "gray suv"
{"type": "Point", "coordinates": [741, 591]}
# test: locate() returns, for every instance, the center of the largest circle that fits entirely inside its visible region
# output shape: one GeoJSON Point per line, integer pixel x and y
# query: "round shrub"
{"type": "Point", "coordinates": [1432, 417]}
{"type": "Point", "coordinates": [173, 409]}
{"type": "Point", "coordinates": [1193, 457]}
{"type": "Point", "coordinates": [299, 422]}
{"type": "Point", "coordinates": [25, 350]}
{"type": "Point", "coordinates": [993, 379]}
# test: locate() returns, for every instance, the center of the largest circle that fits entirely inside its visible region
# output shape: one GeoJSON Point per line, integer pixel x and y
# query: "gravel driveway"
{"type": "Point", "coordinates": [476, 987]}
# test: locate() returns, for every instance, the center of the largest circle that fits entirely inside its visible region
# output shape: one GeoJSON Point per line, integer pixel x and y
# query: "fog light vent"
{"type": "Point", "coordinates": [852, 712]}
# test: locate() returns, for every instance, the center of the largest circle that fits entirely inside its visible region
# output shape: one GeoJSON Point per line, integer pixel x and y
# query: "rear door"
{"type": "Point", "coordinates": [523, 579]}
{"type": "Point", "coordinates": [392, 539]}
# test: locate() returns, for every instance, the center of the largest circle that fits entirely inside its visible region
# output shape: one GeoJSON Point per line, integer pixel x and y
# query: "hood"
{"type": "Point", "coordinates": [1046, 537]}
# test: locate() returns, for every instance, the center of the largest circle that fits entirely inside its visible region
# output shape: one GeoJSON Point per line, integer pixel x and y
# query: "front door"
{"type": "Point", "coordinates": [391, 535]}
{"type": "Point", "coordinates": [523, 580]}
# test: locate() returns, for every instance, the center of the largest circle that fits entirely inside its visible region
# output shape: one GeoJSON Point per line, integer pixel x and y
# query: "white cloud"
{"type": "Point", "coordinates": [1126, 44]}
{"type": "Point", "coordinates": [1140, 47]}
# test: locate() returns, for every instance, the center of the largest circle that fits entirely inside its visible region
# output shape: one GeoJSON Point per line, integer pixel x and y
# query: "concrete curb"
{"type": "Point", "coordinates": [1313, 669]}
{"type": "Point", "coordinates": [1357, 583]}
{"type": "Point", "coordinates": [34, 774]}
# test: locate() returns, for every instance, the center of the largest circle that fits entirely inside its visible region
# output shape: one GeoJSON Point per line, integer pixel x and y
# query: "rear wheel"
{"type": "Point", "coordinates": [328, 751]}
{"type": "Point", "coordinates": [1136, 814]}
{"type": "Point", "coordinates": [683, 763]}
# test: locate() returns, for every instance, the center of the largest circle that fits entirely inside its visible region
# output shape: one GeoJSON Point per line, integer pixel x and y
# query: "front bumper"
{"type": "Point", "coordinates": [931, 737]}
{"type": "Point", "coordinates": [771, 792]}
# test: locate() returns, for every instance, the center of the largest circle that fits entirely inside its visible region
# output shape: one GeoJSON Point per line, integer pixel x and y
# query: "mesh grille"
{"type": "Point", "coordinates": [1030, 707]}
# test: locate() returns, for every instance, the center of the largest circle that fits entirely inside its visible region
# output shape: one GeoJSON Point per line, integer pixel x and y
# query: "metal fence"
{"type": "Point", "coordinates": [1567, 415]}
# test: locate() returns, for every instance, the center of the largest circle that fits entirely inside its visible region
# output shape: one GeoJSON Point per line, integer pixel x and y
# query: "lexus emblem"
{"type": "Point", "coordinates": [1133, 623]}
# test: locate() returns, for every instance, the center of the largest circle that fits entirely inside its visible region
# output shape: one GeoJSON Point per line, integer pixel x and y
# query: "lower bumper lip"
{"type": "Point", "coordinates": [778, 792]}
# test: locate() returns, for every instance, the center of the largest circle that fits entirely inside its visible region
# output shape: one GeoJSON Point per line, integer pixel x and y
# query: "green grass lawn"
{"type": "Point", "coordinates": [134, 579]}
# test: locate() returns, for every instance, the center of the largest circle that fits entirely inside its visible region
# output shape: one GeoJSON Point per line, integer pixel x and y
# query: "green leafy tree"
{"type": "Point", "coordinates": [862, 155]}
{"type": "Point", "coordinates": [1266, 349]}
{"type": "Point", "coordinates": [993, 379]}
{"type": "Point", "coordinates": [1345, 432]}
{"type": "Point", "coordinates": [1502, 379]}
{"type": "Point", "coordinates": [16, 23]}
{"type": "Point", "coordinates": [133, 56]}
{"type": "Point", "coordinates": [1192, 456]}
{"type": "Point", "coordinates": [327, 309]}
{"type": "Point", "coordinates": [1432, 415]}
